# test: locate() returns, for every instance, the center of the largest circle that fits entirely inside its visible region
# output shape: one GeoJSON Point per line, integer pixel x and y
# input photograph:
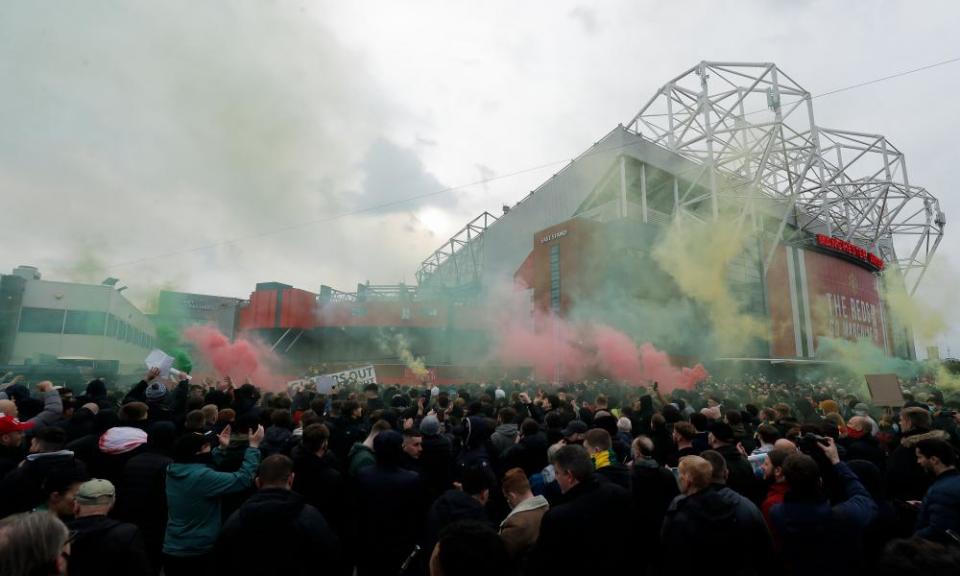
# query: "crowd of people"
{"type": "Point", "coordinates": [485, 479]}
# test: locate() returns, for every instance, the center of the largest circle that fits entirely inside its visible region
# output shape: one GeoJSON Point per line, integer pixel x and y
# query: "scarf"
{"type": "Point", "coordinates": [603, 459]}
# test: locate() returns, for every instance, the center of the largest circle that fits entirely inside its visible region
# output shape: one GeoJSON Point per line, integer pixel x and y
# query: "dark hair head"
{"type": "Point", "coordinates": [274, 470]}
{"type": "Point", "coordinates": [933, 447]}
{"type": "Point", "coordinates": [733, 417]}
{"type": "Point", "coordinates": [281, 419]}
{"type": "Point", "coordinates": [685, 430]}
{"type": "Point", "coordinates": [476, 478]}
{"type": "Point", "coordinates": [699, 421]}
{"type": "Point", "coordinates": [388, 446]}
{"type": "Point", "coordinates": [315, 437]}
{"type": "Point", "coordinates": [51, 439]}
{"type": "Point", "coordinates": [722, 432]}
{"type": "Point", "coordinates": [195, 421]}
{"type": "Point", "coordinates": [529, 427]}
{"type": "Point", "coordinates": [186, 447]}
{"type": "Point", "coordinates": [718, 464]}
{"type": "Point", "coordinates": [507, 415]}
{"type": "Point", "coordinates": [60, 478]}
{"type": "Point", "coordinates": [161, 435]}
{"type": "Point", "coordinates": [471, 548]}
{"type": "Point", "coordinates": [768, 433]}
{"type": "Point", "coordinates": [918, 557]}
{"type": "Point", "coordinates": [778, 456]}
{"type": "Point", "coordinates": [803, 476]}
{"type": "Point", "coordinates": [574, 459]}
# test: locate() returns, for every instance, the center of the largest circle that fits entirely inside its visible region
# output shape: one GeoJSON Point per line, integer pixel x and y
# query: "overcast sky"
{"type": "Point", "coordinates": [131, 132]}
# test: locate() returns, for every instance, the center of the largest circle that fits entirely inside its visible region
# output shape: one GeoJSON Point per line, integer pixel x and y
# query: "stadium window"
{"type": "Point", "coordinates": [85, 322]}
{"type": "Point", "coordinates": [112, 325]}
{"type": "Point", "coordinates": [41, 320]}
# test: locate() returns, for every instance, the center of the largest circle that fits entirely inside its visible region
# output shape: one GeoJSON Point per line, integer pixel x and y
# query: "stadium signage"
{"type": "Point", "coordinates": [844, 247]}
{"type": "Point", "coordinates": [553, 236]}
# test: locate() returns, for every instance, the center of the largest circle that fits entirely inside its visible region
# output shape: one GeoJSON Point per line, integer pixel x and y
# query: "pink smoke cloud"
{"type": "Point", "coordinates": [241, 360]}
{"type": "Point", "coordinates": [548, 344]}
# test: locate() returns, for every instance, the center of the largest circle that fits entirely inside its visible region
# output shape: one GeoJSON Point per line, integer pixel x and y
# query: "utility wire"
{"type": "Point", "coordinates": [481, 181]}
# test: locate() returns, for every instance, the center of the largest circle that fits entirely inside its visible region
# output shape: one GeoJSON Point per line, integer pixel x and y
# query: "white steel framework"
{"type": "Point", "coordinates": [754, 125]}
{"type": "Point", "coordinates": [459, 260]}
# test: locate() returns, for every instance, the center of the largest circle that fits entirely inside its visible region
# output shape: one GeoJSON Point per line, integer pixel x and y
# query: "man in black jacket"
{"type": "Point", "coordinates": [741, 478]}
{"type": "Point", "coordinates": [599, 446]}
{"type": "Point", "coordinates": [23, 488]}
{"type": "Point", "coordinates": [590, 527]}
{"type": "Point", "coordinates": [710, 529]}
{"type": "Point", "coordinates": [317, 479]}
{"type": "Point", "coordinates": [278, 520]}
{"type": "Point", "coordinates": [390, 509]}
{"type": "Point", "coordinates": [436, 458]}
{"type": "Point", "coordinates": [104, 546]}
{"type": "Point", "coordinates": [530, 451]}
{"type": "Point", "coordinates": [654, 488]}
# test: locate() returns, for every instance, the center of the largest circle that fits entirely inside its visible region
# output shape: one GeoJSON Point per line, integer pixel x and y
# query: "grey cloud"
{"type": "Point", "coordinates": [395, 180]}
{"type": "Point", "coordinates": [587, 17]}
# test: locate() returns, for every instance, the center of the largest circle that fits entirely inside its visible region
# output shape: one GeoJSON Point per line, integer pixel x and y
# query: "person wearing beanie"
{"type": "Point", "coordinates": [102, 545]}
{"type": "Point", "coordinates": [436, 457]}
{"type": "Point", "coordinates": [162, 404]}
{"type": "Point", "coordinates": [390, 508]}
{"type": "Point", "coordinates": [194, 490]}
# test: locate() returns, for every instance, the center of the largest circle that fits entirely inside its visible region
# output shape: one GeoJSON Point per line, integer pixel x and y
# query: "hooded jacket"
{"type": "Point", "coordinates": [193, 502]}
{"type": "Point", "coordinates": [720, 526]}
{"type": "Point", "coordinates": [529, 454]}
{"type": "Point", "coordinates": [906, 480]}
{"type": "Point", "coordinates": [278, 520]}
{"type": "Point", "coordinates": [504, 436]}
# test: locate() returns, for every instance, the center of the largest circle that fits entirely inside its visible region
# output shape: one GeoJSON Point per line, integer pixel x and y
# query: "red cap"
{"type": "Point", "coordinates": [10, 424]}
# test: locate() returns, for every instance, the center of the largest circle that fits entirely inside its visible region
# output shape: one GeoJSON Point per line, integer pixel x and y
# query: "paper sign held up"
{"type": "Point", "coordinates": [884, 389]}
{"type": "Point", "coordinates": [159, 359]}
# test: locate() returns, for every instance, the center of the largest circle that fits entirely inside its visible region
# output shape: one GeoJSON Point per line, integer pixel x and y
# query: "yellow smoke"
{"type": "Point", "coordinates": [398, 345]}
{"type": "Point", "coordinates": [697, 255]}
{"type": "Point", "coordinates": [927, 313]}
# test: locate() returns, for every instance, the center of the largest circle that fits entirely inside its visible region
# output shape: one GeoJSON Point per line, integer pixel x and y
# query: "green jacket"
{"type": "Point", "coordinates": [193, 503]}
{"type": "Point", "coordinates": [359, 458]}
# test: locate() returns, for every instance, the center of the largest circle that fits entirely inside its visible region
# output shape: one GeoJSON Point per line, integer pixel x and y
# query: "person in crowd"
{"type": "Point", "coordinates": [390, 508]}
{"type": "Point", "coordinates": [103, 545]}
{"type": "Point", "coordinates": [599, 446]}
{"type": "Point", "coordinates": [316, 477]}
{"type": "Point", "coordinates": [41, 412]}
{"type": "Point", "coordinates": [918, 557]}
{"type": "Point", "coordinates": [574, 432]}
{"type": "Point", "coordinates": [684, 435]}
{"type": "Point", "coordinates": [776, 480]}
{"type": "Point", "coordinates": [361, 454]}
{"type": "Point", "coordinates": [141, 492]}
{"type": "Point", "coordinates": [276, 518]}
{"type": "Point", "coordinates": [940, 510]}
{"type": "Point", "coordinates": [715, 522]}
{"type": "Point", "coordinates": [654, 488]}
{"type": "Point", "coordinates": [859, 444]}
{"type": "Point", "coordinates": [466, 502]}
{"type": "Point", "coordinates": [436, 457]}
{"type": "Point", "coordinates": [906, 479]}
{"type": "Point", "coordinates": [34, 545]}
{"type": "Point", "coordinates": [591, 516]}
{"type": "Point", "coordinates": [347, 429]}
{"type": "Point", "coordinates": [521, 528]}
{"type": "Point", "coordinates": [412, 449]}
{"type": "Point", "coordinates": [505, 434]}
{"type": "Point", "coordinates": [12, 450]}
{"type": "Point", "coordinates": [741, 478]}
{"type": "Point", "coordinates": [806, 520]}
{"type": "Point", "coordinates": [469, 549]}
{"type": "Point", "coordinates": [193, 491]}
{"type": "Point", "coordinates": [530, 452]}
{"type": "Point", "coordinates": [48, 472]}
{"type": "Point", "coordinates": [767, 435]}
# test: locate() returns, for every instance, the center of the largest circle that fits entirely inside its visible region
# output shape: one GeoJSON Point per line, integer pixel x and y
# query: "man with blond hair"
{"type": "Point", "coordinates": [714, 523]}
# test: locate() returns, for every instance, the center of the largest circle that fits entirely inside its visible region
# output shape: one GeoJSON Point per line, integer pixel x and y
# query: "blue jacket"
{"type": "Point", "coordinates": [833, 533]}
{"type": "Point", "coordinates": [941, 508]}
{"type": "Point", "coordinates": [193, 503]}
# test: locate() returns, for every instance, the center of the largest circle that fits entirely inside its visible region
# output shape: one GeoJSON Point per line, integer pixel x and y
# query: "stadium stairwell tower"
{"type": "Point", "coordinates": [753, 124]}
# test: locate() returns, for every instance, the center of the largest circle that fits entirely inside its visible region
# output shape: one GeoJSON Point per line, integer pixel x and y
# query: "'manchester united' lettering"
{"type": "Point", "coordinates": [844, 247]}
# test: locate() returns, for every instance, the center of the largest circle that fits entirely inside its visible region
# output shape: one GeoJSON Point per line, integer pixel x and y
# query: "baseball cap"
{"type": "Point", "coordinates": [10, 424]}
{"type": "Point", "coordinates": [92, 490]}
{"type": "Point", "coordinates": [575, 427]}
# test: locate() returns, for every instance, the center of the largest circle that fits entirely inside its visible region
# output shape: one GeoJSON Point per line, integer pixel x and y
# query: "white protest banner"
{"type": "Point", "coordinates": [360, 375]}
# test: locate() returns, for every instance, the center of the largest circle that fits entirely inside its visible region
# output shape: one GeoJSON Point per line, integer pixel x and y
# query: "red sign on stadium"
{"type": "Point", "coordinates": [844, 247]}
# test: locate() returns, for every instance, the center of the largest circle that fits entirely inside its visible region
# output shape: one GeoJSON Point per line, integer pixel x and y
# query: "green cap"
{"type": "Point", "coordinates": [92, 491]}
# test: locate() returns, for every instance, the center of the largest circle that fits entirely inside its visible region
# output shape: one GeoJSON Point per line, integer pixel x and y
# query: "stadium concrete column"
{"type": "Point", "coordinates": [711, 161]}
